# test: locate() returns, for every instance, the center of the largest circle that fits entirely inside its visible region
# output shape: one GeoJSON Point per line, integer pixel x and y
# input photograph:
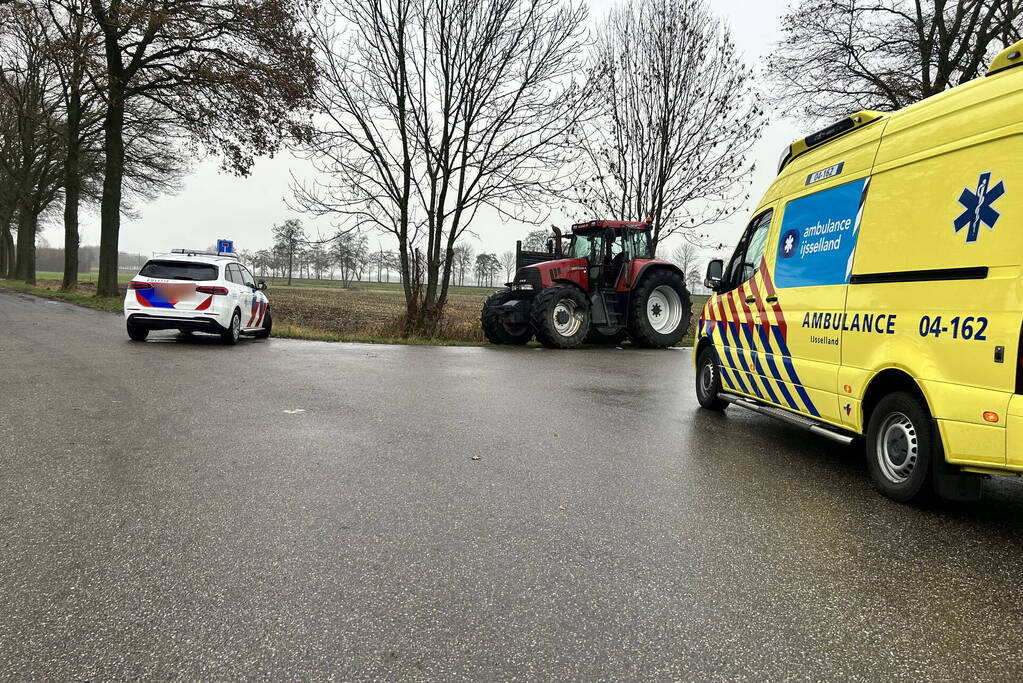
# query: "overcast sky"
{"type": "Point", "coordinates": [211, 204]}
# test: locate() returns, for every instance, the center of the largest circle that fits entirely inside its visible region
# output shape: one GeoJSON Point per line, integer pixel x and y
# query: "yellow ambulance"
{"type": "Point", "coordinates": [878, 290]}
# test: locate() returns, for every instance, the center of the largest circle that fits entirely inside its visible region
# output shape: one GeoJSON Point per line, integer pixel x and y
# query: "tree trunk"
{"type": "Point", "coordinates": [72, 194]}
{"type": "Point", "coordinates": [25, 269]}
{"type": "Point", "coordinates": [6, 247]}
{"type": "Point", "coordinates": [110, 208]}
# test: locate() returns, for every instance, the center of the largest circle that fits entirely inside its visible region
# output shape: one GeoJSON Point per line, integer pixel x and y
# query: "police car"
{"type": "Point", "coordinates": [195, 291]}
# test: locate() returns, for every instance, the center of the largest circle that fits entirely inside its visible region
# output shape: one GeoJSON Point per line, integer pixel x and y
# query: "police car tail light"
{"type": "Point", "coordinates": [139, 285]}
{"type": "Point", "coordinates": [207, 289]}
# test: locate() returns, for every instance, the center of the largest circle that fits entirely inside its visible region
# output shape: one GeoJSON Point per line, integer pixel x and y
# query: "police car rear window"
{"type": "Point", "coordinates": [179, 270]}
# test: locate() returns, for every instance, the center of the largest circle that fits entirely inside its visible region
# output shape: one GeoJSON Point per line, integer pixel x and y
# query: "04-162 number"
{"type": "Point", "coordinates": [960, 327]}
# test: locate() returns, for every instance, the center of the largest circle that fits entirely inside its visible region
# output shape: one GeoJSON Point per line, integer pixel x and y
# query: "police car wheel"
{"type": "Point", "coordinates": [901, 444]}
{"type": "Point", "coordinates": [708, 380]}
{"type": "Point", "coordinates": [231, 334]}
{"type": "Point", "coordinates": [137, 333]}
{"type": "Point", "coordinates": [268, 324]}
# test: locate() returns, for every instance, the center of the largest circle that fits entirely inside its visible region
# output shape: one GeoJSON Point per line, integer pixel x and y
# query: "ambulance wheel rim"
{"type": "Point", "coordinates": [897, 448]}
{"type": "Point", "coordinates": [664, 309]}
{"type": "Point", "coordinates": [707, 378]}
{"type": "Point", "coordinates": [567, 320]}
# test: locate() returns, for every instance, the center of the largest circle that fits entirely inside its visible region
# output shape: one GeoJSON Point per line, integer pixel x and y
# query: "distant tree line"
{"type": "Point", "coordinates": [53, 258]}
{"type": "Point", "coordinates": [347, 257]}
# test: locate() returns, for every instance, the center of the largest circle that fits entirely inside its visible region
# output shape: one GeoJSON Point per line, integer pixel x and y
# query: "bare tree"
{"type": "Point", "coordinates": [679, 119]}
{"type": "Point", "coordinates": [392, 263]}
{"type": "Point", "coordinates": [694, 279]}
{"type": "Point", "coordinates": [350, 254]}
{"type": "Point", "coordinates": [430, 110]}
{"type": "Point", "coordinates": [840, 56]}
{"type": "Point", "coordinates": [73, 47]}
{"type": "Point", "coordinates": [230, 72]}
{"type": "Point", "coordinates": [685, 256]}
{"type": "Point", "coordinates": [153, 164]}
{"type": "Point", "coordinates": [32, 148]}
{"type": "Point", "coordinates": [486, 268]}
{"type": "Point", "coordinates": [536, 240]}
{"type": "Point", "coordinates": [289, 237]}
{"type": "Point", "coordinates": [508, 262]}
{"type": "Point", "coordinates": [464, 258]}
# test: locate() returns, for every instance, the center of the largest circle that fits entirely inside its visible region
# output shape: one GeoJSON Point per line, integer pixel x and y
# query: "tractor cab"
{"type": "Point", "coordinates": [609, 247]}
{"type": "Point", "coordinates": [600, 287]}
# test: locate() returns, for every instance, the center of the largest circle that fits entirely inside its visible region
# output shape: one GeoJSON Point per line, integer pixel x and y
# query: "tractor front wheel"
{"type": "Point", "coordinates": [660, 312]}
{"type": "Point", "coordinates": [560, 317]}
{"type": "Point", "coordinates": [496, 327]}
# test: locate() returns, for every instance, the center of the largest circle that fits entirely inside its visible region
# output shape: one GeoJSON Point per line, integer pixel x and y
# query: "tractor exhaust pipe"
{"type": "Point", "coordinates": [557, 241]}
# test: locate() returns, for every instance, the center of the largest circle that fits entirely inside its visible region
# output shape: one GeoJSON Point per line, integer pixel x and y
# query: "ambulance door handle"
{"type": "Point", "coordinates": [751, 299]}
{"type": "Point", "coordinates": [772, 299]}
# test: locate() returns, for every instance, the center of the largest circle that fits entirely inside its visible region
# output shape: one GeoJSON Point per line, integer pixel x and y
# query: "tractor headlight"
{"type": "Point", "coordinates": [519, 285]}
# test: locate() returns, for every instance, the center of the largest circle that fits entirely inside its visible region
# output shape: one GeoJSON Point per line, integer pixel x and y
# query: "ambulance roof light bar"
{"type": "Point", "coordinates": [835, 130]}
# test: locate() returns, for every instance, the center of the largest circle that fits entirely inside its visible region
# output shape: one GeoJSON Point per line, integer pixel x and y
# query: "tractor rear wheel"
{"type": "Point", "coordinates": [560, 317]}
{"type": "Point", "coordinates": [660, 313]}
{"type": "Point", "coordinates": [606, 335]}
{"type": "Point", "coordinates": [495, 326]}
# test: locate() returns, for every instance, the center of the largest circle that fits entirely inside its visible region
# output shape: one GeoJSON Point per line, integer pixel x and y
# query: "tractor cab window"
{"type": "Point", "coordinates": [586, 245]}
{"type": "Point", "coordinates": [639, 244]}
{"type": "Point", "coordinates": [617, 245]}
{"type": "Point", "coordinates": [749, 252]}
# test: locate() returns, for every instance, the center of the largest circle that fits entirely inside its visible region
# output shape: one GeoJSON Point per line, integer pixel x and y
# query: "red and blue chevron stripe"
{"type": "Point", "coordinates": [762, 334]}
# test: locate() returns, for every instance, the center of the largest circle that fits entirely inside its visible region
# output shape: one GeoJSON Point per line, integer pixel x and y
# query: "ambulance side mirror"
{"type": "Point", "coordinates": [715, 269]}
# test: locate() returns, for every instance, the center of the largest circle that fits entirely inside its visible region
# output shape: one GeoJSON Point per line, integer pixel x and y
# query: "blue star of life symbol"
{"type": "Point", "coordinates": [978, 207]}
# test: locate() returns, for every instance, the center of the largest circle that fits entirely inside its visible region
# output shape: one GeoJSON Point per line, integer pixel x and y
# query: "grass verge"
{"type": "Point", "coordinates": [299, 332]}
{"type": "Point", "coordinates": [113, 304]}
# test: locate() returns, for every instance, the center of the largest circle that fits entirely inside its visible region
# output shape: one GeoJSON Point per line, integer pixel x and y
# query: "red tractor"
{"type": "Point", "coordinates": [605, 286]}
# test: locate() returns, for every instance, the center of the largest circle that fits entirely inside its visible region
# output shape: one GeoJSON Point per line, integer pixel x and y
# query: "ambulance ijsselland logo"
{"type": "Point", "coordinates": [789, 241]}
{"type": "Point", "coordinates": [978, 207]}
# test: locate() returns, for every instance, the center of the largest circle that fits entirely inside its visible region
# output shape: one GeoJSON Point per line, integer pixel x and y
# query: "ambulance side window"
{"type": "Point", "coordinates": [757, 245]}
{"type": "Point", "coordinates": [749, 253]}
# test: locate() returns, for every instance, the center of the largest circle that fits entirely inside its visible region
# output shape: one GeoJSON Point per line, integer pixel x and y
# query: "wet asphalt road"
{"type": "Point", "coordinates": [165, 513]}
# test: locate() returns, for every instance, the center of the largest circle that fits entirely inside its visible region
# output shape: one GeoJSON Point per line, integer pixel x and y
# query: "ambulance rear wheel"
{"type": "Point", "coordinates": [901, 445]}
{"type": "Point", "coordinates": [708, 380]}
